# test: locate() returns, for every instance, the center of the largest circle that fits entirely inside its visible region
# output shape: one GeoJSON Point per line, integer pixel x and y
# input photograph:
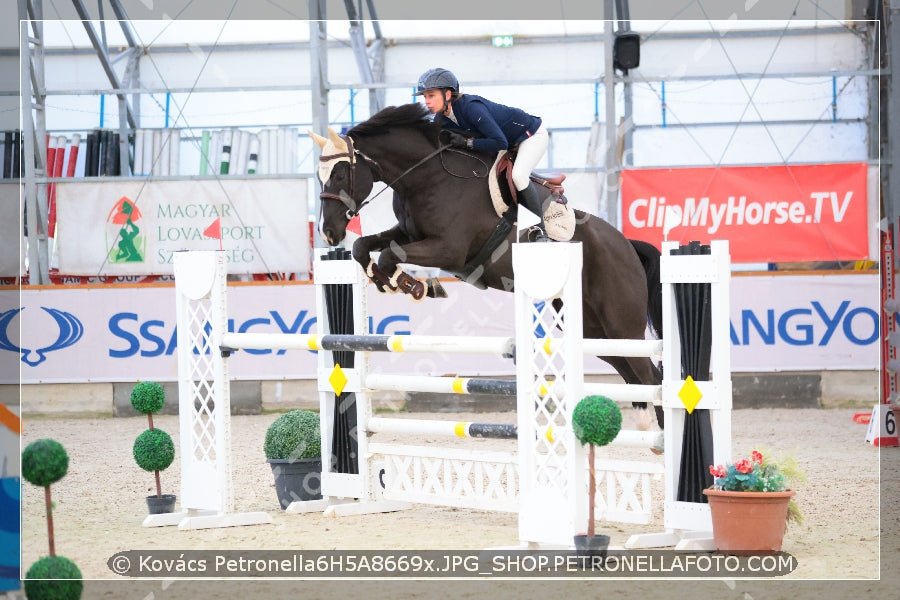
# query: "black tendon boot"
{"type": "Point", "coordinates": [529, 199]}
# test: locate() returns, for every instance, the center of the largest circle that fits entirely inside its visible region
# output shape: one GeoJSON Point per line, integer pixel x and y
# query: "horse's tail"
{"type": "Point", "coordinates": [649, 256]}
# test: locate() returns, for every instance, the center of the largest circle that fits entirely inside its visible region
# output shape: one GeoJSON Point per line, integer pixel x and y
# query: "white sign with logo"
{"type": "Point", "coordinates": [134, 227]}
{"type": "Point", "coordinates": [127, 333]}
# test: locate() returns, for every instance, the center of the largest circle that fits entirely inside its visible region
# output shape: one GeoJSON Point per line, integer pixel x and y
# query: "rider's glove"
{"type": "Point", "coordinates": [460, 141]}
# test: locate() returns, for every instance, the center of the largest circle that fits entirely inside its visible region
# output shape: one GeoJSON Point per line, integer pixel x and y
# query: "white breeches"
{"type": "Point", "coordinates": [531, 150]}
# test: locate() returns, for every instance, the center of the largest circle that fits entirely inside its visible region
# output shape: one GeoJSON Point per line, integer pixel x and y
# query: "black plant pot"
{"type": "Point", "coordinates": [157, 505]}
{"type": "Point", "coordinates": [594, 547]}
{"type": "Point", "coordinates": [297, 479]}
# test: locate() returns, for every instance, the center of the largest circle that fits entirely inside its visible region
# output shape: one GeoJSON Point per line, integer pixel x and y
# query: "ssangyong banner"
{"type": "Point", "coordinates": [128, 333]}
{"type": "Point", "coordinates": [769, 214]}
{"type": "Point", "coordinates": [134, 227]}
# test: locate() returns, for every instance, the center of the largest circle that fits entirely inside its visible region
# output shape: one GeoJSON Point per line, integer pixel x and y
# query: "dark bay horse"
{"type": "Point", "coordinates": [446, 215]}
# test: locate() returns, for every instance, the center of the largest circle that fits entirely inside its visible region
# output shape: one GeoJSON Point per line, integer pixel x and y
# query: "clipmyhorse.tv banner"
{"type": "Point", "coordinates": [769, 214]}
{"type": "Point", "coordinates": [134, 227]}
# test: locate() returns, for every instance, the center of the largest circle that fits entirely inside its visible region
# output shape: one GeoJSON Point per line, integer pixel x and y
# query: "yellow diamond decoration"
{"type": "Point", "coordinates": [337, 379]}
{"type": "Point", "coordinates": [690, 394]}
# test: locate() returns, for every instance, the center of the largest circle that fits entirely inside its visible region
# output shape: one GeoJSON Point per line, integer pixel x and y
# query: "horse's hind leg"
{"type": "Point", "coordinates": [639, 371]}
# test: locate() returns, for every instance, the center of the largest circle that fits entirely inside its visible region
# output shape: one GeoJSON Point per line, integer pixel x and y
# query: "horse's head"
{"type": "Point", "coordinates": [347, 176]}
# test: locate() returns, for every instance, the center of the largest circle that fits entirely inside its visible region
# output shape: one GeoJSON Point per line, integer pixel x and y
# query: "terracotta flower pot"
{"type": "Point", "coordinates": [748, 521]}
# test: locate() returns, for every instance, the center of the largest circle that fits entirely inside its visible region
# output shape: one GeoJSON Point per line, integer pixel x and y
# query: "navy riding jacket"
{"type": "Point", "coordinates": [502, 126]}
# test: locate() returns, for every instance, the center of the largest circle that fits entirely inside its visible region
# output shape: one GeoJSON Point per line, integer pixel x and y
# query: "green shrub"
{"type": "Point", "coordinates": [294, 435]}
{"type": "Point", "coordinates": [53, 578]}
{"type": "Point", "coordinates": [44, 462]}
{"type": "Point", "coordinates": [596, 420]}
{"type": "Point", "coordinates": [154, 450]}
{"type": "Point", "coordinates": [147, 397]}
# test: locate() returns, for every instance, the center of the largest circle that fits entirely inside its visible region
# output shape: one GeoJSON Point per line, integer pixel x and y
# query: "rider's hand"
{"type": "Point", "coordinates": [458, 140]}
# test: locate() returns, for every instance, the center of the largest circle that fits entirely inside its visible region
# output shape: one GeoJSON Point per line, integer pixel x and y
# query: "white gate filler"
{"type": "Point", "coordinates": [545, 481]}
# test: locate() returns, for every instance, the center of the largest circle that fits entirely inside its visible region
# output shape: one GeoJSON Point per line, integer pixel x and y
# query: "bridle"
{"type": "Point", "coordinates": [351, 155]}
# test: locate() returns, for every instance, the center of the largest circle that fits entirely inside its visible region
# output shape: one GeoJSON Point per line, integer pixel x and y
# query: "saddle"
{"type": "Point", "coordinates": [502, 186]}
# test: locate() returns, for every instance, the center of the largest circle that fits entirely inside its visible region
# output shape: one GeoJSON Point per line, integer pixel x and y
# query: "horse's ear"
{"type": "Point", "coordinates": [317, 138]}
{"type": "Point", "coordinates": [337, 140]}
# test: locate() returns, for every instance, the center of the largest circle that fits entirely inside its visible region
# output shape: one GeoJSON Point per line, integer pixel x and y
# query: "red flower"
{"type": "Point", "coordinates": [718, 471]}
{"type": "Point", "coordinates": [756, 457]}
{"type": "Point", "coordinates": [743, 466]}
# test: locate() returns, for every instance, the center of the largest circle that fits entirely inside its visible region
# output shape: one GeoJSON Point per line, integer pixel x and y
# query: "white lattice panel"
{"type": "Point", "coordinates": [450, 477]}
{"type": "Point", "coordinates": [203, 429]}
{"type": "Point", "coordinates": [548, 375]}
{"type": "Point", "coordinates": [489, 481]}
{"type": "Point", "coordinates": [624, 491]}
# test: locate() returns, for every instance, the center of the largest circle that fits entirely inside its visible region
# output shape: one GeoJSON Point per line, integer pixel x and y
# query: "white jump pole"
{"type": "Point", "coordinates": [384, 343]}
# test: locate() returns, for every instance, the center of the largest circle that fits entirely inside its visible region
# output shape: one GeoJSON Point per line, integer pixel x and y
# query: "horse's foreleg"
{"type": "Point", "coordinates": [430, 252]}
{"type": "Point", "coordinates": [406, 283]}
{"type": "Point", "coordinates": [362, 254]}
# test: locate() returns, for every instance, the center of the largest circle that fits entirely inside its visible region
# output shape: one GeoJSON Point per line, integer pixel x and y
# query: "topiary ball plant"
{"type": "Point", "coordinates": [596, 421]}
{"type": "Point", "coordinates": [294, 435]}
{"type": "Point", "coordinates": [154, 450]}
{"type": "Point", "coordinates": [148, 397]}
{"type": "Point", "coordinates": [45, 462]}
{"type": "Point", "coordinates": [53, 578]}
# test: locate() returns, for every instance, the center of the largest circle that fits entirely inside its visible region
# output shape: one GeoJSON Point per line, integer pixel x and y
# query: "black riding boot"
{"type": "Point", "coordinates": [529, 199]}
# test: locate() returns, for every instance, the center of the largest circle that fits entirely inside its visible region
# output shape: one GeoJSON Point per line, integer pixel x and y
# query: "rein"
{"type": "Point", "coordinates": [351, 154]}
{"type": "Point", "coordinates": [352, 213]}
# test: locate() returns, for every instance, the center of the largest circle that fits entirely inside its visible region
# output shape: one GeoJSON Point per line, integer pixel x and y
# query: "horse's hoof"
{"type": "Point", "coordinates": [537, 234]}
{"type": "Point", "coordinates": [434, 289]}
{"type": "Point", "coordinates": [658, 446]}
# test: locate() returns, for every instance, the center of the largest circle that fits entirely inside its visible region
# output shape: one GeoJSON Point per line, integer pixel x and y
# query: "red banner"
{"type": "Point", "coordinates": [768, 214]}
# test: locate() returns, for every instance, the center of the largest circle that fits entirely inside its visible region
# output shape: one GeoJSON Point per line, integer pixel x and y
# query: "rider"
{"type": "Point", "coordinates": [503, 127]}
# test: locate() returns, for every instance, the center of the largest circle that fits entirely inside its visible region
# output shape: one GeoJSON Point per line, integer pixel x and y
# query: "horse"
{"type": "Point", "coordinates": [445, 216]}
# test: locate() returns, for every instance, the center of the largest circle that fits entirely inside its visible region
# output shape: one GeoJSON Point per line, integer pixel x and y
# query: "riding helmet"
{"type": "Point", "coordinates": [437, 79]}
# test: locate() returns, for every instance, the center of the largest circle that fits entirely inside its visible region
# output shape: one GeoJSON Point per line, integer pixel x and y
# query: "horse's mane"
{"type": "Point", "coordinates": [413, 115]}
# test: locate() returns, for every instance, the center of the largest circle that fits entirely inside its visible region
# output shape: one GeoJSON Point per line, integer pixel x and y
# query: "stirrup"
{"type": "Point", "coordinates": [536, 233]}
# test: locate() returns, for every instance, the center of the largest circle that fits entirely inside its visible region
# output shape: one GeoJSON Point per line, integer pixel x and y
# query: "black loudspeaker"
{"type": "Point", "coordinates": [627, 50]}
